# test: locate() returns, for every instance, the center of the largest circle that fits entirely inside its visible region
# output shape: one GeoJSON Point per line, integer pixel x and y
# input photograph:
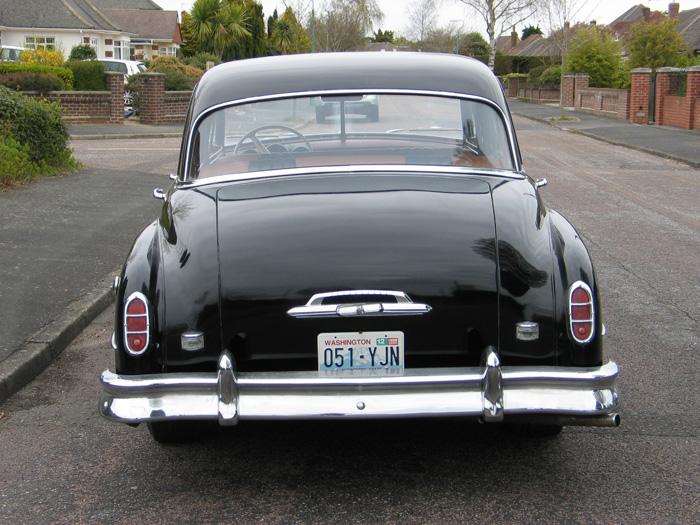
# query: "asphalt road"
{"type": "Point", "coordinates": [639, 216]}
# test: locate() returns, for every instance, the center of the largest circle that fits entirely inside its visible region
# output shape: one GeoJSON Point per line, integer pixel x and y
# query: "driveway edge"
{"type": "Point", "coordinates": [42, 347]}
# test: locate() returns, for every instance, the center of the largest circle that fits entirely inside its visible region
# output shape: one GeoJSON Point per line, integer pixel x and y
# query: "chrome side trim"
{"type": "Point", "coordinates": [583, 396]}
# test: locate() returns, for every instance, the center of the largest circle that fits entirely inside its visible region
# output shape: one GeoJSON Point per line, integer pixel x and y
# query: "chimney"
{"type": "Point", "coordinates": [646, 14]}
{"type": "Point", "coordinates": [513, 39]}
{"type": "Point", "coordinates": [673, 9]}
{"type": "Point", "coordinates": [593, 23]}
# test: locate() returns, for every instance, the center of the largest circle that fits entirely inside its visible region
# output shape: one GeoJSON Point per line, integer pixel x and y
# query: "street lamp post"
{"type": "Point", "coordinates": [459, 32]}
{"type": "Point", "coordinates": [313, 28]}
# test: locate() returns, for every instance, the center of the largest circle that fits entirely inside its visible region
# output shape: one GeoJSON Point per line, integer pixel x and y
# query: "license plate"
{"type": "Point", "coordinates": [361, 351]}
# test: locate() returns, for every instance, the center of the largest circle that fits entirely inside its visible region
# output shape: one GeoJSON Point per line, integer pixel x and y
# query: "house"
{"type": "Point", "coordinates": [109, 26]}
{"type": "Point", "coordinates": [689, 22]}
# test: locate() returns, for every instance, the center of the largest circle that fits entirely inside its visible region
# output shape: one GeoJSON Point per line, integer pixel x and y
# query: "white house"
{"type": "Point", "coordinates": [103, 24]}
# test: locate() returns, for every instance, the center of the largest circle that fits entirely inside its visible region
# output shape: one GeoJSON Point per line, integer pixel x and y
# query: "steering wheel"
{"type": "Point", "coordinates": [253, 136]}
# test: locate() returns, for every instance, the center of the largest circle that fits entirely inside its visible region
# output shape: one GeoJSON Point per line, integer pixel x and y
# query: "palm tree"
{"type": "Point", "coordinates": [285, 36]}
{"type": "Point", "coordinates": [219, 23]}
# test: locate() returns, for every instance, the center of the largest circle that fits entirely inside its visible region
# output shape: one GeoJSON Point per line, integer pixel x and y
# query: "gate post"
{"type": "Point", "coordinates": [693, 94]}
{"type": "Point", "coordinates": [639, 95]}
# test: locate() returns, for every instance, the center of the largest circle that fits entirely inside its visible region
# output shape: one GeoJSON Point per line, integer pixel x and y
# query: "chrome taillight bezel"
{"type": "Point", "coordinates": [580, 285]}
{"type": "Point", "coordinates": [136, 296]}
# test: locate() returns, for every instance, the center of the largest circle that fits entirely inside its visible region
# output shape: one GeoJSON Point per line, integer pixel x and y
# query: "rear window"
{"type": "Point", "coordinates": [353, 129]}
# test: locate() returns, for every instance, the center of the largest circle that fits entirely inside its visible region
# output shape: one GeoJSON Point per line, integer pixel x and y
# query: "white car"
{"type": "Point", "coordinates": [128, 67]}
{"type": "Point", "coordinates": [10, 53]}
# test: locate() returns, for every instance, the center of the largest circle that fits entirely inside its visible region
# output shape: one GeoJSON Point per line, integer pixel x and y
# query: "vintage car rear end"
{"type": "Point", "coordinates": [353, 267]}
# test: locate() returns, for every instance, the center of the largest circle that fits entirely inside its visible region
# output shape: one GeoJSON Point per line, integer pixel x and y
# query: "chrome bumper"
{"type": "Point", "coordinates": [560, 395]}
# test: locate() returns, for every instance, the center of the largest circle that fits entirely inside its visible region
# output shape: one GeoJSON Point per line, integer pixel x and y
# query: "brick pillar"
{"type": "Point", "coordinates": [567, 90]}
{"type": "Point", "coordinates": [693, 94]}
{"type": "Point", "coordinates": [666, 82]}
{"type": "Point", "coordinates": [115, 85]}
{"type": "Point", "coordinates": [151, 98]}
{"type": "Point", "coordinates": [513, 85]}
{"type": "Point", "coordinates": [639, 96]}
{"type": "Point", "coordinates": [582, 80]}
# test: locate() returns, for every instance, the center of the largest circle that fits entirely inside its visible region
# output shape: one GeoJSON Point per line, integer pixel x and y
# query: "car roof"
{"type": "Point", "coordinates": [256, 77]}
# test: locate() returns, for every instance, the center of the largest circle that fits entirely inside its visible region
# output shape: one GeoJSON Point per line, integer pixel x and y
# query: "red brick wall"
{"type": "Point", "coordinates": [158, 106]}
{"type": "Point", "coordinates": [539, 92]}
{"type": "Point", "coordinates": [568, 90]}
{"type": "Point", "coordinates": [672, 110]}
{"type": "Point", "coordinates": [80, 107]}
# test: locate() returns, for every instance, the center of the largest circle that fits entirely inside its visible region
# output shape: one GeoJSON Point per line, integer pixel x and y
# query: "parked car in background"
{"type": "Point", "coordinates": [354, 269]}
{"type": "Point", "coordinates": [10, 53]}
{"type": "Point", "coordinates": [128, 67]}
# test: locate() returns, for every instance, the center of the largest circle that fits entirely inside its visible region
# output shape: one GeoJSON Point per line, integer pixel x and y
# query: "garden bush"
{"type": "Point", "coordinates": [88, 75]}
{"type": "Point", "coordinates": [169, 64]}
{"type": "Point", "coordinates": [37, 125]}
{"type": "Point", "coordinates": [82, 52]}
{"type": "Point", "coordinates": [42, 83]}
{"type": "Point", "coordinates": [45, 57]}
{"type": "Point", "coordinates": [200, 60]}
{"type": "Point", "coordinates": [65, 74]}
{"type": "Point", "coordinates": [534, 75]}
{"type": "Point", "coordinates": [551, 75]}
{"type": "Point", "coordinates": [15, 164]}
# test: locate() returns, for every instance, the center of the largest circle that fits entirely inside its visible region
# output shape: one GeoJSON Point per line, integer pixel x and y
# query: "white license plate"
{"type": "Point", "coordinates": [360, 351]}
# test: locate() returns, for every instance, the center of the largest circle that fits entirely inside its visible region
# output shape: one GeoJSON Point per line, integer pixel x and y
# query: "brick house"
{"type": "Point", "coordinates": [109, 26]}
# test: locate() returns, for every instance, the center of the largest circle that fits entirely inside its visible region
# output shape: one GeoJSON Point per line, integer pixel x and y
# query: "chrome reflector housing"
{"type": "Point", "coordinates": [136, 324]}
{"type": "Point", "coordinates": [581, 312]}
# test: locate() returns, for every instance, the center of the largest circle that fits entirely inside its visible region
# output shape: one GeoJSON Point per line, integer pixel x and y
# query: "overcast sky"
{"type": "Point", "coordinates": [396, 19]}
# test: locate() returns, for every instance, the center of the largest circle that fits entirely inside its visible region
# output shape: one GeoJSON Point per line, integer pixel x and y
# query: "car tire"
{"type": "Point", "coordinates": [175, 431]}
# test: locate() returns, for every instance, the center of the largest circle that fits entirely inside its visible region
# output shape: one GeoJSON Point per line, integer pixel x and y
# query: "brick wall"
{"type": "Point", "coordinates": [156, 105]}
{"type": "Point", "coordinates": [672, 110]}
{"type": "Point", "coordinates": [604, 101]}
{"type": "Point", "coordinates": [539, 92]}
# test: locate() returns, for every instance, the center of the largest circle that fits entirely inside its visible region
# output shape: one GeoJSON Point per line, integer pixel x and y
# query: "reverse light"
{"type": "Point", "coordinates": [581, 312]}
{"type": "Point", "coordinates": [136, 324]}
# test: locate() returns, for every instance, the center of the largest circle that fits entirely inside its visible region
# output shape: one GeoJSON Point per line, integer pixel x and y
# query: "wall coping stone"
{"type": "Point", "coordinates": [669, 70]}
{"type": "Point", "coordinates": [641, 70]}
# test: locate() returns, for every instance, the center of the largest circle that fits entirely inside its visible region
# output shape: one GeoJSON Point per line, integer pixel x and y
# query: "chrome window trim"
{"type": "Point", "coordinates": [345, 170]}
{"type": "Point", "coordinates": [396, 91]}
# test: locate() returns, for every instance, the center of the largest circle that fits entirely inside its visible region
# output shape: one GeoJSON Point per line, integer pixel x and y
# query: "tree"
{"type": "Point", "coordinates": [529, 31]}
{"type": "Point", "coordinates": [343, 25]}
{"type": "Point", "coordinates": [560, 14]}
{"type": "Point", "coordinates": [422, 19]}
{"type": "Point", "coordinates": [655, 45]}
{"type": "Point", "coordinates": [500, 16]}
{"type": "Point", "coordinates": [218, 23]}
{"type": "Point", "coordinates": [383, 36]}
{"type": "Point", "coordinates": [288, 34]}
{"type": "Point", "coordinates": [473, 45]}
{"type": "Point", "coordinates": [595, 51]}
{"type": "Point", "coordinates": [192, 44]}
{"type": "Point", "coordinates": [254, 44]}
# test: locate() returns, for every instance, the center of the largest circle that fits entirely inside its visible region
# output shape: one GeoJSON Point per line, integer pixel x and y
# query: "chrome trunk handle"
{"type": "Point", "coordinates": [403, 305]}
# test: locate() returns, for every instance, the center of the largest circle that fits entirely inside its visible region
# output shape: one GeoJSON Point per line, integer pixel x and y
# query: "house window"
{"type": "Point", "coordinates": [167, 51]}
{"type": "Point", "coordinates": [121, 50]}
{"type": "Point", "coordinates": [40, 42]}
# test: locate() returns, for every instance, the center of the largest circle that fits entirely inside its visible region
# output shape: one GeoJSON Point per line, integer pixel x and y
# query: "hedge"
{"type": "Point", "coordinates": [88, 75]}
{"type": "Point", "coordinates": [63, 73]}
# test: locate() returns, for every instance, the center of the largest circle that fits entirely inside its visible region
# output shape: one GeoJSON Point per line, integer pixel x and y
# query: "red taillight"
{"type": "Point", "coordinates": [136, 323]}
{"type": "Point", "coordinates": [581, 312]}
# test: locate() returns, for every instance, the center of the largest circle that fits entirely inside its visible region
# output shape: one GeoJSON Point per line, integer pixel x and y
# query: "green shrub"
{"type": "Point", "coordinates": [200, 60]}
{"type": "Point", "coordinates": [63, 73]}
{"type": "Point", "coordinates": [37, 125]}
{"type": "Point", "coordinates": [169, 64]}
{"type": "Point", "coordinates": [82, 52]}
{"type": "Point", "coordinates": [15, 165]}
{"type": "Point", "coordinates": [535, 73]}
{"type": "Point", "coordinates": [551, 75]}
{"type": "Point", "coordinates": [88, 75]}
{"type": "Point", "coordinates": [175, 81]}
{"type": "Point", "coordinates": [42, 83]}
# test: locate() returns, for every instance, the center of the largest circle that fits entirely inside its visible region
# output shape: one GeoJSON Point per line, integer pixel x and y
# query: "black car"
{"type": "Point", "coordinates": [406, 267]}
